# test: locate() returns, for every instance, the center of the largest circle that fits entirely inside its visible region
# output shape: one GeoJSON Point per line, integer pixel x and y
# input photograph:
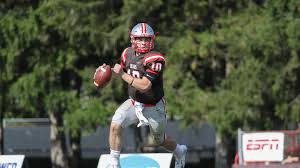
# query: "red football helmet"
{"type": "Point", "coordinates": [142, 30]}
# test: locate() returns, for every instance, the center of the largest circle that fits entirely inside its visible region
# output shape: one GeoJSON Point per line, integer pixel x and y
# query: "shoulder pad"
{"type": "Point", "coordinates": [124, 54]}
{"type": "Point", "coordinates": [152, 57]}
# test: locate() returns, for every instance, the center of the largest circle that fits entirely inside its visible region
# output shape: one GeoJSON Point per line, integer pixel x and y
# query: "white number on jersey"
{"type": "Point", "coordinates": [156, 66]}
{"type": "Point", "coordinates": [134, 73]}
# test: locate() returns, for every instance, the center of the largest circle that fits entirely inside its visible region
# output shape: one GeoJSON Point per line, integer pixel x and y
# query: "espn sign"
{"type": "Point", "coordinates": [263, 146]}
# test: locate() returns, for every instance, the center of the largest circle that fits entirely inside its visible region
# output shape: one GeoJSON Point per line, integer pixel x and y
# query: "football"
{"type": "Point", "coordinates": [102, 76]}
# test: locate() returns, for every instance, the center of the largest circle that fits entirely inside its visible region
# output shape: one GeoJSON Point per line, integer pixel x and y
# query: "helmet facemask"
{"type": "Point", "coordinates": [141, 45]}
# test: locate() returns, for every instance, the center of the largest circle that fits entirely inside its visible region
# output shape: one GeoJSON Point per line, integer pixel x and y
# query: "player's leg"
{"type": "Point", "coordinates": [157, 119]}
{"type": "Point", "coordinates": [178, 150]}
{"type": "Point", "coordinates": [115, 138]}
{"type": "Point", "coordinates": [124, 116]}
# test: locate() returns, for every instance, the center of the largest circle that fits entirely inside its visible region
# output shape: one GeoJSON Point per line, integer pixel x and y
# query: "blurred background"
{"type": "Point", "coordinates": [230, 64]}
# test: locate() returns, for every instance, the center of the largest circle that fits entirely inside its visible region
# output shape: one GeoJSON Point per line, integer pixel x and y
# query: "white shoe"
{"type": "Point", "coordinates": [180, 159]}
{"type": "Point", "coordinates": [114, 163]}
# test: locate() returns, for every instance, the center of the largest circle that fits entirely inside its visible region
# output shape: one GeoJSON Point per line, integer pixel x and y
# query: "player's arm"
{"type": "Point", "coordinates": [142, 85]}
{"type": "Point", "coordinates": [154, 65]}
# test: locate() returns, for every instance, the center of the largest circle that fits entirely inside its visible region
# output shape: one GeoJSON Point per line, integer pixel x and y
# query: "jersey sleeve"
{"type": "Point", "coordinates": [123, 58]}
{"type": "Point", "coordinates": [154, 66]}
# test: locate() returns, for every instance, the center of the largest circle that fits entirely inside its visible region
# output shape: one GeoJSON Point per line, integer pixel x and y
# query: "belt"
{"type": "Point", "coordinates": [145, 105]}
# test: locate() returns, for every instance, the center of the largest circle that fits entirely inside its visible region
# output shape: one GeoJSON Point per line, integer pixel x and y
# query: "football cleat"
{"type": "Point", "coordinates": [180, 159]}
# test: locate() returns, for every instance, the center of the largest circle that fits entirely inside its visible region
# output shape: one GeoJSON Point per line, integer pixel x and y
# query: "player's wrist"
{"type": "Point", "coordinates": [131, 83]}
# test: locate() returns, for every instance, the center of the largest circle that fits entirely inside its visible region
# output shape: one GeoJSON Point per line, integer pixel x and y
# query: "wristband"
{"type": "Point", "coordinates": [132, 81]}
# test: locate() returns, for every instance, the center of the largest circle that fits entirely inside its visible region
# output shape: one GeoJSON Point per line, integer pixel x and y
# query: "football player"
{"type": "Point", "coordinates": [142, 68]}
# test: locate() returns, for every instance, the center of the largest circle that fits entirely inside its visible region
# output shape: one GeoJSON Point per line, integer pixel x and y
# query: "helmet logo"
{"type": "Point", "coordinates": [143, 28]}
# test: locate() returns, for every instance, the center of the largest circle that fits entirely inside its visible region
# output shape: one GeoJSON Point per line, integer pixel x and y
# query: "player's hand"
{"type": "Point", "coordinates": [117, 69]}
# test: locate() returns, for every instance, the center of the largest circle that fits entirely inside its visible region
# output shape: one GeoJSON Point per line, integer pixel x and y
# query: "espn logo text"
{"type": "Point", "coordinates": [262, 144]}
